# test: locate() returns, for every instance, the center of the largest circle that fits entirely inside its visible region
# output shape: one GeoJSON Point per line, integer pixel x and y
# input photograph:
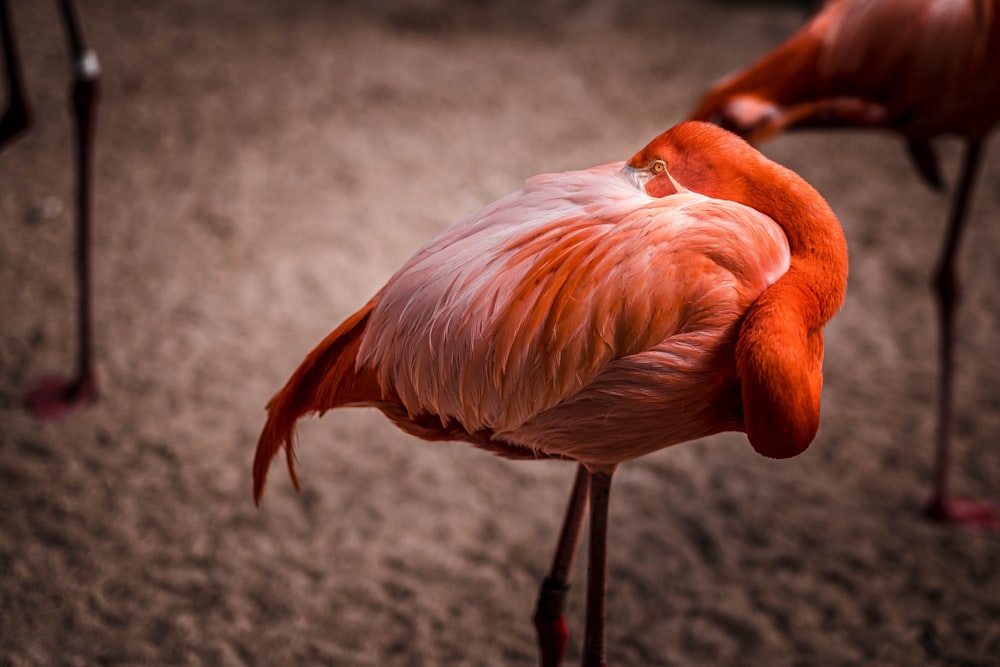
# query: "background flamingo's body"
{"type": "Point", "coordinates": [598, 316]}
{"type": "Point", "coordinates": [919, 68]}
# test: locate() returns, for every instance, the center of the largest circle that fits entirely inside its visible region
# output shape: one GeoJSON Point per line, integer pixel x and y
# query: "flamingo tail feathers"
{"type": "Point", "coordinates": [326, 379]}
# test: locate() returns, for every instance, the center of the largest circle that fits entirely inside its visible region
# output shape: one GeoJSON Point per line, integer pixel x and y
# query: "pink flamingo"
{"type": "Point", "coordinates": [597, 316]}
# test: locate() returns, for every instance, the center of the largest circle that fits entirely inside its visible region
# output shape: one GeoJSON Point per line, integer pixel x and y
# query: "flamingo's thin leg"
{"type": "Point", "coordinates": [595, 641]}
{"type": "Point", "coordinates": [55, 397]}
{"type": "Point", "coordinates": [942, 505]}
{"type": "Point", "coordinates": [17, 118]}
{"type": "Point", "coordinates": [550, 617]}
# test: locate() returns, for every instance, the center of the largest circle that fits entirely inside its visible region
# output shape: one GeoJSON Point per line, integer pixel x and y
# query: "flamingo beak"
{"type": "Point", "coordinates": [661, 187]}
{"type": "Point", "coordinates": [637, 177]}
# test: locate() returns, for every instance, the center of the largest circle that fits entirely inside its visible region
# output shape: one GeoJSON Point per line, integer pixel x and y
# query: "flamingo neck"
{"type": "Point", "coordinates": [780, 349]}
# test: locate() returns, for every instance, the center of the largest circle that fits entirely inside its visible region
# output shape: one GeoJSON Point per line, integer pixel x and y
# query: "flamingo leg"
{"type": "Point", "coordinates": [941, 505]}
{"type": "Point", "coordinates": [550, 617]}
{"type": "Point", "coordinates": [16, 118]}
{"type": "Point", "coordinates": [55, 397]}
{"type": "Point", "coordinates": [595, 640]}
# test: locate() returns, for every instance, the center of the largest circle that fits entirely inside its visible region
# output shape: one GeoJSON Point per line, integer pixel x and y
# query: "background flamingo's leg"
{"type": "Point", "coordinates": [941, 505]}
{"type": "Point", "coordinates": [56, 397]}
{"type": "Point", "coordinates": [17, 118]}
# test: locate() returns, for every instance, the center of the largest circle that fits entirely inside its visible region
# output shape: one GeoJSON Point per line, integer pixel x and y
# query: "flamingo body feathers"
{"type": "Point", "coordinates": [592, 317]}
{"type": "Point", "coordinates": [521, 307]}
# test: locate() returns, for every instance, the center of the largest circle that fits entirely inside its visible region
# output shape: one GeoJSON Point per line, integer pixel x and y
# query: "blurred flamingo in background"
{"type": "Point", "coordinates": [919, 68]}
{"type": "Point", "coordinates": [597, 316]}
{"type": "Point", "coordinates": [55, 397]}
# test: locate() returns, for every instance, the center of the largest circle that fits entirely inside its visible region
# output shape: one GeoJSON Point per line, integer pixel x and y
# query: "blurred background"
{"type": "Point", "coordinates": [261, 169]}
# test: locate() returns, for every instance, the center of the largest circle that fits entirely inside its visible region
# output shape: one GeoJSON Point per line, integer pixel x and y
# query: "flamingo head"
{"type": "Point", "coordinates": [699, 157]}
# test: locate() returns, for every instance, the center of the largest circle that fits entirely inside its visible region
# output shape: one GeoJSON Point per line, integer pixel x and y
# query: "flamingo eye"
{"type": "Point", "coordinates": [657, 167]}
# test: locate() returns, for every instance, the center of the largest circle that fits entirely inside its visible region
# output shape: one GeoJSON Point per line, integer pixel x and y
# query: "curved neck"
{"type": "Point", "coordinates": [779, 352]}
{"type": "Point", "coordinates": [815, 240]}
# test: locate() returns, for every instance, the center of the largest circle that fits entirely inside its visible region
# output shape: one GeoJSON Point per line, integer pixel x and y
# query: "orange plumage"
{"type": "Point", "coordinates": [583, 318]}
{"type": "Point", "coordinates": [600, 315]}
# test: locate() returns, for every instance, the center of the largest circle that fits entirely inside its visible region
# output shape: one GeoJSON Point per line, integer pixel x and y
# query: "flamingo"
{"type": "Point", "coordinates": [55, 397]}
{"type": "Point", "coordinates": [920, 69]}
{"type": "Point", "coordinates": [596, 316]}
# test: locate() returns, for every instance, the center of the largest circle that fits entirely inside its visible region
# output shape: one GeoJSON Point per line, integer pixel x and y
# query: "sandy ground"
{"type": "Point", "coordinates": [262, 168]}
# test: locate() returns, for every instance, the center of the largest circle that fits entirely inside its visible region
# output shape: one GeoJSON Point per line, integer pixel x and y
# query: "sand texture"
{"type": "Point", "coordinates": [261, 169]}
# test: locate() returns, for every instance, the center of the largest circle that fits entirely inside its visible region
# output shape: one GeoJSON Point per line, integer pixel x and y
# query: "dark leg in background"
{"type": "Point", "coordinates": [56, 397]}
{"type": "Point", "coordinates": [16, 119]}
{"type": "Point", "coordinates": [941, 505]}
